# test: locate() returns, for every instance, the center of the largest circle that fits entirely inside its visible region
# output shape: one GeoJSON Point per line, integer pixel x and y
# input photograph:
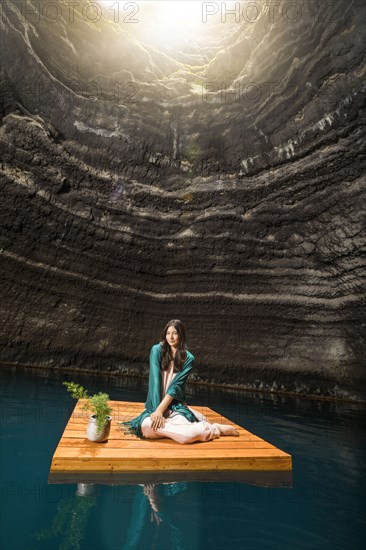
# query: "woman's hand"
{"type": "Point", "coordinates": [157, 420]}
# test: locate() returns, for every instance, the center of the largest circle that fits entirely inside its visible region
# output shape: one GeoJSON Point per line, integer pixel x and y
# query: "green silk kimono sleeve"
{"type": "Point", "coordinates": [176, 390]}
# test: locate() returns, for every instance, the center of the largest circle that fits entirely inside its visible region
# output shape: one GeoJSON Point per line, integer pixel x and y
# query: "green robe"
{"type": "Point", "coordinates": [176, 389]}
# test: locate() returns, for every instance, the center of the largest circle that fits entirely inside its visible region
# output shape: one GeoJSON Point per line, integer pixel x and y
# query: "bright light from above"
{"type": "Point", "coordinates": [174, 22]}
{"type": "Point", "coordinates": [167, 23]}
{"type": "Point", "coordinates": [178, 14]}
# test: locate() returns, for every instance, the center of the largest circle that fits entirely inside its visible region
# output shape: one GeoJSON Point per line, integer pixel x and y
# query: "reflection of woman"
{"type": "Point", "coordinates": [166, 527]}
{"type": "Point", "coordinates": [166, 414]}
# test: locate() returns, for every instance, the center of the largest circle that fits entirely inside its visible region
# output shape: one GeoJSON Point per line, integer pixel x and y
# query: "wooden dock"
{"type": "Point", "coordinates": [126, 458]}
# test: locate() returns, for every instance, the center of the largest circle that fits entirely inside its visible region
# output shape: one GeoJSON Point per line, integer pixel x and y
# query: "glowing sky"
{"type": "Point", "coordinates": [165, 24]}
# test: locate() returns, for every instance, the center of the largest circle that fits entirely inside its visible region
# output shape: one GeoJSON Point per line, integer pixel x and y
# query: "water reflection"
{"type": "Point", "coordinates": [324, 509]}
{"type": "Point", "coordinates": [157, 513]}
{"type": "Point", "coordinates": [71, 519]}
{"type": "Point", "coordinates": [154, 505]}
{"type": "Point", "coordinates": [154, 519]}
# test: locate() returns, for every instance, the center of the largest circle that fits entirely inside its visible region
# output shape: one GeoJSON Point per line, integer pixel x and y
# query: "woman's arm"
{"type": "Point", "coordinates": [153, 395]}
{"type": "Point", "coordinates": [174, 391]}
{"type": "Point", "coordinates": [157, 418]}
{"type": "Point", "coordinates": [153, 399]}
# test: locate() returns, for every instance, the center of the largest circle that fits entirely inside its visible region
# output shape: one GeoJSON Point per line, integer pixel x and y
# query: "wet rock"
{"type": "Point", "coordinates": [221, 182]}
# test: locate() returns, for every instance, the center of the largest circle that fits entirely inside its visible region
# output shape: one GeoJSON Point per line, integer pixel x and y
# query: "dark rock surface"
{"type": "Point", "coordinates": [221, 182]}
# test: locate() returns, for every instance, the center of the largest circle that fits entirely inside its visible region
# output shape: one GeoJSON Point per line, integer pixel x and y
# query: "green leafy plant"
{"type": "Point", "coordinates": [97, 404]}
{"type": "Point", "coordinates": [69, 523]}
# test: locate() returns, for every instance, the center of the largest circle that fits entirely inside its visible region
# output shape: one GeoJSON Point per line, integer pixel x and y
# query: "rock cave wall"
{"type": "Point", "coordinates": [221, 182]}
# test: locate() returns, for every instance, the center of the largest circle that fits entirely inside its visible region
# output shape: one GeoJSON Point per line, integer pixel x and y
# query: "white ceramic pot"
{"type": "Point", "coordinates": [85, 489]}
{"type": "Point", "coordinates": [92, 433]}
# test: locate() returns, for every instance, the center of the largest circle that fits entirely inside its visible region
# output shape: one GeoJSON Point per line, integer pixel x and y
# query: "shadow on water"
{"type": "Point", "coordinates": [323, 508]}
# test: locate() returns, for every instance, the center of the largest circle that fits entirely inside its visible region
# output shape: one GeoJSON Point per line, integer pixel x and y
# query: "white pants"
{"type": "Point", "coordinates": [180, 429]}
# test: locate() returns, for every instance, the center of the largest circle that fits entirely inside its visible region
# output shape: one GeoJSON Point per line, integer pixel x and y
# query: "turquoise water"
{"type": "Point", "coordinates": [324, 508]}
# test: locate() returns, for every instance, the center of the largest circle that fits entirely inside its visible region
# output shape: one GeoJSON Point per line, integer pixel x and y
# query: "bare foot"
{"type": "Point", "coordinates": [225, 429]}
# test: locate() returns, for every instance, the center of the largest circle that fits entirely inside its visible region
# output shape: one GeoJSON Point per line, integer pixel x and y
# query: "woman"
{"type": "Point", "coordinates": [166, 414]}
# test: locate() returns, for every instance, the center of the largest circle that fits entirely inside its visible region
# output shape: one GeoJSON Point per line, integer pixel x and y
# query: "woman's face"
{"type": "Point", "coordinates": [172, 337]}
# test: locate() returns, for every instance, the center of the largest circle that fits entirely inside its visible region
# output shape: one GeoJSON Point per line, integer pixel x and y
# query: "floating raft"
{"type": "Point", "coordinates": [126, 458]}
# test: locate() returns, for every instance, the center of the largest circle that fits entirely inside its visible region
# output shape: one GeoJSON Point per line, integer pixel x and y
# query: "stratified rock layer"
{"type": "Point", "coordinates": [222, 185]}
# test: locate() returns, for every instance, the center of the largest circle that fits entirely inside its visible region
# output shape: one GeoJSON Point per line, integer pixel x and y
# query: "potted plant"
{"type": "Point", "coordinates": [100, 419]}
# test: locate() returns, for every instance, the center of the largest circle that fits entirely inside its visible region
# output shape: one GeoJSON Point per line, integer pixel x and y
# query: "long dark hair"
{"type": "Point", "coordinates": [181, 353]}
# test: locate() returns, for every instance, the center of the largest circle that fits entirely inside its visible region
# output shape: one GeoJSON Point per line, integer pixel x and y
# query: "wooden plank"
{"type": "Point", "coordinates": [125, 453]}
{"type": "Point", "coordinates": [103, 452]}
{"type": "Point", "coordinates": [118, 430]}
{"type": "Point", "coordinates": [151, 465]}
{"type": "Point", "coordinates": [131, 443]}
{"type": "Point", "coordinates": [118, 433]}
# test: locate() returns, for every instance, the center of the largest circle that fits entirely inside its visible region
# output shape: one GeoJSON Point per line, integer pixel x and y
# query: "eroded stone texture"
{"type": "Point", "coordinates": [220, 183]}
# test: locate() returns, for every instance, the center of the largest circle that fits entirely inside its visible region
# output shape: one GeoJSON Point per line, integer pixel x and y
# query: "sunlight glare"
{"type": "Point", "coordinates": [176, 21]}
{"type": "Point", "coordinates": [163, 22]}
